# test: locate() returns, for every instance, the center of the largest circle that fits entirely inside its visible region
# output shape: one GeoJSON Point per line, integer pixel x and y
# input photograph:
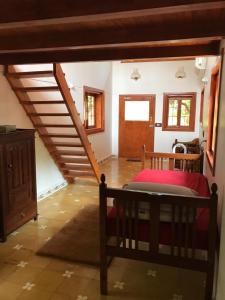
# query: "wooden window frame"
{"type": "Point", "coordinates": [166, 98]}
{"type": "Point", "coordinates": [213, 116]}
{"type": "Point", "coordinates": [99, 110]}
{"type": "Point", "coordinates": [202, 107]}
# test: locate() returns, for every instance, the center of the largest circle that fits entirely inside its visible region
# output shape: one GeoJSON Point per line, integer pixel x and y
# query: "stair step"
{"type": "Point", "coordinates": [43, 102]}
{"type": "Point", "coordinates": [69, 160]}
{"type": "Point", "coordinates": [36, 88]}
{"type": "Point", "coordinates": [72, 174]}
{"type": "Point", "coordinates": [49, 114]}
{"type": "Point", "coordinates": [60, 135]}
{"type": "Point", "coordinates": [77, 168]}
{"type": "Point", "coordinates": [32, 74]}
{"type": "Point", "coordinates": [64, 144]}
{"type": "Point", "coordinates": [55, 125]}
{"type": "Point", "coordinates": [70, 153]}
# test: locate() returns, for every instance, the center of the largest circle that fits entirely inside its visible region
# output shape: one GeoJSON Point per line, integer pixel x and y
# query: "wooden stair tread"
{"type": "Point", "coordinates": [55, 125]}
{"type": "Point", "coordinates": [65, 144]}
{"type": "Point", "coordinates": [31, 74]}
{"type": "Point", "coordinates": [43, 102]}
{"type": "Point", "coordinates": [60, 135]}
{"type": "Point", "coordinates": [77, 168]}
{"type": "Point", "coordinates": [79, 173]}
{"type": "Point", "coordinates": [70, 153]}
{"type": "Point", "coordinates": [69, 160]}
{"type": "Point", "coordinates": [36, 88]}
{"type": "Point", "coordinates": [50, 114]}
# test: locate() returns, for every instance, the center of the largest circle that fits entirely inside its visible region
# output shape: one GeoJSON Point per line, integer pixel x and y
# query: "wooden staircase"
{"type": "Point", "coordinates": [52, 111]}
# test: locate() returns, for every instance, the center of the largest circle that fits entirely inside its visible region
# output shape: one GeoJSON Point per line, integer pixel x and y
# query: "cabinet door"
{"type": "Point", "coordinates": [21, 199]}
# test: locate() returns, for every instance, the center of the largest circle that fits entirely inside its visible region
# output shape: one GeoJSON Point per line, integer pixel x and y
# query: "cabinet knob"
{"type": "Point", "coordinates": [10, 166]}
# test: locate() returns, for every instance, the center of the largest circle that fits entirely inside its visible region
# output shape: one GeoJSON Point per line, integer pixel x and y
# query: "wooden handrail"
{"type": "Point", "coordinates": [62, 84]}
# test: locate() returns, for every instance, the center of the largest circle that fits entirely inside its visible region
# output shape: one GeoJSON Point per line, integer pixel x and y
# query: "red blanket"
{"type": "Point", "coordinates": [194, 181]}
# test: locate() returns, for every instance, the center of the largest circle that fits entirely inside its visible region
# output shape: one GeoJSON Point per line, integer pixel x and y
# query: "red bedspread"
{"type": "Point", "coordinates": [195, 181]}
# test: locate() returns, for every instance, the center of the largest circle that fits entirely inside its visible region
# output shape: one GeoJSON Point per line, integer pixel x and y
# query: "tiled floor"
{"type": "Point", "coordinates": [24, 275]}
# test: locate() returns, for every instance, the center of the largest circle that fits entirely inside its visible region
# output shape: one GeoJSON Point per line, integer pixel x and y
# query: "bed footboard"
{"type": "Point", "coordinates": [161, 161]}
{"type": "Point", "coordinates": [124, 234]}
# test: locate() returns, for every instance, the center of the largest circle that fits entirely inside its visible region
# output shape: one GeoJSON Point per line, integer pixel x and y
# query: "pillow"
{"type": "Point", "coordinates": [165, 209]}
{"type": "Point", "coordinates": [160, 188]}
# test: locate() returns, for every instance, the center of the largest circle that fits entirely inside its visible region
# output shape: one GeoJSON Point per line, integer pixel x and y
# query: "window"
{"type": "Point", "coordinates": [93, 110]}
{"type": "Point", "coordinates": [213, 117]}
{"type": "Point", "coordinates": [179, 112]}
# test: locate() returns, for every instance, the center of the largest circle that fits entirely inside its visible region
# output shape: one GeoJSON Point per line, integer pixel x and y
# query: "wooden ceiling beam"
{"type": "Point", "coordinates": [164, 52]}
{"type": "Point", "coordinates": [52, 12]}
{"type": "Point", "coordinates": [28, 10]}
{"type": "Point", "coordinates": [73, 37]}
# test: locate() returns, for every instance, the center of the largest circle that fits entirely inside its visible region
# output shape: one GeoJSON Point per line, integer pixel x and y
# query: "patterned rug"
{"type": "Point", "coordinates": [77, 241]}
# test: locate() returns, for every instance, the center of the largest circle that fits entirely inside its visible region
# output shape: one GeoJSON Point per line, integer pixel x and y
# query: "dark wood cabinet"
{"type": "Point", "coordinates": [18, 200]}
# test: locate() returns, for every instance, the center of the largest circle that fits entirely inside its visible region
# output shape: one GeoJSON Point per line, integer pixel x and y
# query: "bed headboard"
{"type": "Point", "coordinates": [166, 161]}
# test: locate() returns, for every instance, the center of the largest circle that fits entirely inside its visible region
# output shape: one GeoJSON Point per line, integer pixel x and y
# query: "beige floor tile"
{"type": "Point", "coordinates": [35, 294]}
{"type": "Point", "coordinates": [23, 275]}
{"type": "Point", "coordinates": [57, 296]}
{"type": "Point", "coordinates": [9, 290]}
{"type": "Point", "coordinates": [73, 286]}
{"type": "Point", "coordinates": [48, 280]}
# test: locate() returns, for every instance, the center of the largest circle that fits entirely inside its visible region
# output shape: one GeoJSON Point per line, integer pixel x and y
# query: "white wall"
{"type": "Point", "coordinates": [97, 75]}
{"type": "Point", "coordinates": [156, 78]}
{"type": "Point", "coordinates": [11, 112]}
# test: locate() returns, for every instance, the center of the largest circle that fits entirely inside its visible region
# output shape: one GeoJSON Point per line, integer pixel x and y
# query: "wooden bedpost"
{"type": "Point", "coordinates": [102, 230]}
{"type": "Point", "coordinates": [212, 243]}
{"type": "Point", "coordinates": [143, 157]}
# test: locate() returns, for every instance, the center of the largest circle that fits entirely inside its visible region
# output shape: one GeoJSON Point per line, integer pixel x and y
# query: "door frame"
{"type": "Point", "coordinates": [153, 97]}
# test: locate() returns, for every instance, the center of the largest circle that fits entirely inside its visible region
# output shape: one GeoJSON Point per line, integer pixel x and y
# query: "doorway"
{"type": "Point", "coordinates": [136, 124]}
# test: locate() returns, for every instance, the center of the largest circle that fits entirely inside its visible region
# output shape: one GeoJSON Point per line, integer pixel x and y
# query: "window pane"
{"type": "Point", "coordinates": [185, 112]}
{"type": "Point", "coordinates": [137, 110]}
{"type": "Point", "coordinates": [90, 111]}
{"type": "Point", "coordinates": [173, 112]}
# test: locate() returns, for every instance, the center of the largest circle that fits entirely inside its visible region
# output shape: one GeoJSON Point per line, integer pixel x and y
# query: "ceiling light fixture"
{"type": "Point", "coordinates": [180, 74]}
{"type": "Point", "coordinates": [135, 75]}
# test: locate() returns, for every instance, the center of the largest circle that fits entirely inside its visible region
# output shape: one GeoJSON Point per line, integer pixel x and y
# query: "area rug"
{"type": "Point", "coordinates": [77, 241]}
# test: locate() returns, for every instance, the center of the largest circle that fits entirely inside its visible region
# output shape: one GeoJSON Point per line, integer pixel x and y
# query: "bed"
{"type": "Point", "coordinates": [182, 217]}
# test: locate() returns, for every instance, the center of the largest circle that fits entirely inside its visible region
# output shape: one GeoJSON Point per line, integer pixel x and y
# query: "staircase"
{"type": "Point", "coordinates": [46, 98]}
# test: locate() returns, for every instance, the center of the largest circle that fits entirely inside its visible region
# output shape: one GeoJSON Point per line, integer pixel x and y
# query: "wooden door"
{"type": "Point", "coordinates": [136, 125]}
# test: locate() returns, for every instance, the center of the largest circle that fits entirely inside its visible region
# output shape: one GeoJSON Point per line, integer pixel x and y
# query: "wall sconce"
{"type": "Point", "coordinates": [135, 75]}
{"type": "Point", "coordinates": [205, 80]}
{"type": "Point", "coordinates": [180, 74]}
{"type": "Point", "coordinates": [200, 63]}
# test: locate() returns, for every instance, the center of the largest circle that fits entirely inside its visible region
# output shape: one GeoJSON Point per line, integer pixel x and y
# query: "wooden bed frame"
{"type": "Point", "coordinates": [124, 241]}
{"type": "Point", "coordinates": [160, 160]}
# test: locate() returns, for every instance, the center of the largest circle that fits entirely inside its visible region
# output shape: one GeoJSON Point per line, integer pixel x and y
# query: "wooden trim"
{"type": "Point", "coordinates": [202, 106]}
{"type": "Point", "coordinates": [99, 109]}
{"type": "Point", "coordinates": [214, 101]}
{"type": "Point", "coordinates": [166, 98]}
